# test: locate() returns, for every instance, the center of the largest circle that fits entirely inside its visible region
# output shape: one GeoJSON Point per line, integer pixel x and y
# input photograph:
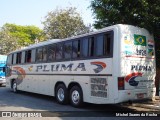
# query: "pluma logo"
{"type": "Point", "coordinates": [131, 78]}
{"type": "Point", "coordinates": [100, 66]}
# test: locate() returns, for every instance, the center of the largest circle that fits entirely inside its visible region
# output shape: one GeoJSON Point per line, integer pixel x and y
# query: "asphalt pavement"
{"type": "Point", "coordinates": [27, 102]}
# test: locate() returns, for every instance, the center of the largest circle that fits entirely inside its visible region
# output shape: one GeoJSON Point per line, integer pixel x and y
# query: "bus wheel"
{"type": "Point", "coordinates": [14, 86]}
{"type": "Point", "coordinates": [76, 97]}
{"type": "Point", "coordinates": [61, 94]}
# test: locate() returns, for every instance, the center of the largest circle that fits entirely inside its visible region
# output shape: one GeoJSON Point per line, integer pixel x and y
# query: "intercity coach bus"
{"type": "Point", "coordinates": [108, 66]}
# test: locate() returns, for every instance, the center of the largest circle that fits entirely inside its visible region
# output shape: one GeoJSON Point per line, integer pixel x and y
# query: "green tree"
{"type": "Point", "coordinates": [142, 13]}
{"type": "Point", "coordinates": [7, 43]}
{"type": "Point", "coordinates": [63, 23]}
{"type": "Point", "coordinates": [25, 35]}
{"type": "Point", "coordinates": [14, 36]}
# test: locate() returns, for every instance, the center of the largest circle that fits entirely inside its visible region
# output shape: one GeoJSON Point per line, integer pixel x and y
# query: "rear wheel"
{"type": "Point", "coordinates": [61, 94]}
{"type": "Point", "coordinates": [76, 97]}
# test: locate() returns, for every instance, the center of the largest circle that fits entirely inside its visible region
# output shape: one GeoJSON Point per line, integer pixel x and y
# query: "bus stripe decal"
{"type": "Point", "coordinates": [75, 74]}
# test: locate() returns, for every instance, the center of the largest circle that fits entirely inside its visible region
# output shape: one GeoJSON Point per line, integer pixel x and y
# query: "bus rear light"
{"type": "Point", "coordinates": [120, 83]}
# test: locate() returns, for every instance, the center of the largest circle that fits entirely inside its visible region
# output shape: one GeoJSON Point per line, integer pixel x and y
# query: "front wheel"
{"type": "Point", "coordinates": [14, 86]}
{"type": "Point", "coordinates": [76, 97]}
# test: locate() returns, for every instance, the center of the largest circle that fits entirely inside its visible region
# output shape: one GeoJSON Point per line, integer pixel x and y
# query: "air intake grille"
{"type": "Point", "coordinates": [99, 87]}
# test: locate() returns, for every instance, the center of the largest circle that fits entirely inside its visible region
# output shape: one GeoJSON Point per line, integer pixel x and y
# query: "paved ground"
{"type": "Point", "coordinates": [153, 105]}
{"type": "Point", "coordinates": [28, 102]}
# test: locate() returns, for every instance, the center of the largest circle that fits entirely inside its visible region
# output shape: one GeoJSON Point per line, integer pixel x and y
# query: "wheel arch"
{"type": "Point", "coordinates": [59, 82]}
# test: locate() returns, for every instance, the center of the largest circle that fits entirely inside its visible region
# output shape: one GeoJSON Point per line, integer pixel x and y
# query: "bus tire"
{"type": "Point", "coordinates": [76, 96]}
{"type": "Point", "coordinates": [14, 86]}
{"type": "Point", "coordinates": [61, 94]}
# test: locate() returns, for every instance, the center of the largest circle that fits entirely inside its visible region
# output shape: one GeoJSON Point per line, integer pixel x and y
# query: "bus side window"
{"type": "Point", "coordinates": [99, 45]}
{"type": "Point", "coordinates": [51, 52]}
{"type": "Point", "coordinates": [18, 57]}
{"type": "Point", "coordinates": [44, 54]}
{"type": "Point", "coordinates": [84, 47]}
{"type": "Point", "coordinates": [39, 56]}
{"type": "Point", "coordinates": [59, 51]}
{"type": "Point", "coordinates": [68, 50]}
{"type": "Point", "coordinates": [107, 44]}
{"type": "Point", "coordinates": [28, 56]}
{"type": "Point", "coordinates": [76, 49]}
{"type": "Point", "coordinates": [91, 46]}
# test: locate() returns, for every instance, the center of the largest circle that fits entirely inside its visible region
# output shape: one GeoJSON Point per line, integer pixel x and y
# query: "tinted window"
{"type": "Point", "coordinates": [76, 49]}
{"type": "Point", "coordinates": [91, 46]}
{"type": "Point", "coordinates": [107, 44]}
{"type": "Point", "coordinates": [51, 52]}
{"type": "Point", "coordinates": [59, 51]}
{"type": "Point", "coordinates": [18, 58]}
{"type": "Point", "coordinates": [44, 54]}
{"type": "Point", "coordinates": [68, 50]}
{"type": "Point", "coordinates": [84, 47]}
{"type": "Point", "coordinates": [99, 45]}
{"type": "Point", "coordinates": [41, 54]}
{"type": "Point", "coordinates": [28, 56]}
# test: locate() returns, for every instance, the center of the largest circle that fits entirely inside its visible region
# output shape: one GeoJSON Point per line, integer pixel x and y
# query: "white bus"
{"type": "Point", "coordinates": [112, 65]}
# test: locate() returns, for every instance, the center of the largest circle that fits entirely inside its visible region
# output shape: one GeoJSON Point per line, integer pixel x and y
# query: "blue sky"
{"type": "Point", "coordinates": [32, 12]}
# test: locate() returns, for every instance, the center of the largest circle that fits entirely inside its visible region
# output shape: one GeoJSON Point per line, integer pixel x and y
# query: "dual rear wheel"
{"type": "Point", "coordinates": [74, 95]}
{"type": "Point", "coordinates": [63, 95]}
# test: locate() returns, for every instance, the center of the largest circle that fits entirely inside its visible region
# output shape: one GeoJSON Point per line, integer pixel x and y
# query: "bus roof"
{"type": "Point", "coordinates": [70, 38]}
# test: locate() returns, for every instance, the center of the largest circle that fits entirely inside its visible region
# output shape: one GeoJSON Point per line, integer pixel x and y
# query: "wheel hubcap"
{"type": "Point", "coordinates": [14, 87]}
{"type": "Point", "coordinates": [75, 97]}
{"type": "Point", "coordinates": [60, 94]}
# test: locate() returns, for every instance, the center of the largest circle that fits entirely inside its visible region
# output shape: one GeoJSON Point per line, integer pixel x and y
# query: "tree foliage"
{"type": "Point", "coordinates": [63, 23]}
{"type": "Point", "coordinates": [142, 13]}
{"type": "Point", "coordinates": [14, 36]}
{"type": "Point", "coordinates": [7, 43]}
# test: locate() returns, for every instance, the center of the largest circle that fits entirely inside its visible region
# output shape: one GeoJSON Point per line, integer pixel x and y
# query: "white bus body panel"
{"type": "Point", "coordinates": [99, 87]}
{"type": "Point", "coordinates": [35, 79]}
{"type": "Point", "coordinates": [137, 64]}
